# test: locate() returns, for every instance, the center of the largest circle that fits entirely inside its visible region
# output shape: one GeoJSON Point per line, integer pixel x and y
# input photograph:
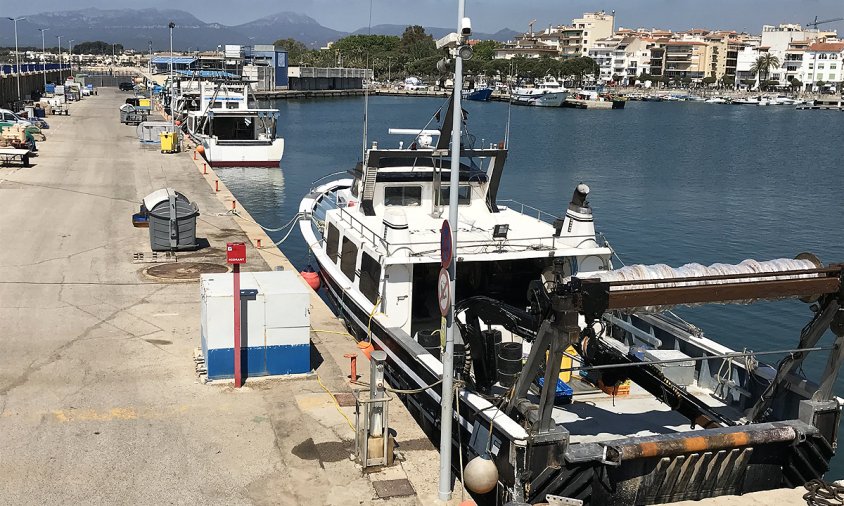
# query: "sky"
{"type": "Point", "coordinates": [487, 15]}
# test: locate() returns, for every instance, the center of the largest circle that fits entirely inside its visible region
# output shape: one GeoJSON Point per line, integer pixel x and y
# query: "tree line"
{"type": "Point", "coordinates": [415, 53]}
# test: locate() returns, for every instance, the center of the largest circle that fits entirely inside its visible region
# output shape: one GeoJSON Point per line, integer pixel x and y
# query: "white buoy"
{"type": "Point", "coordinates": [480, 475]}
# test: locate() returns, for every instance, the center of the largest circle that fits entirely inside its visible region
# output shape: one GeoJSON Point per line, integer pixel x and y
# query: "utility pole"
{"type": "Point", "coordinates": [447, 397]}
{"type": "Point", "coordinates": [70, 54]}
{"type": "Point", "coordinates": [61, 74]}
{"type": "Point", "coordinates": [17, 55]}
{"type": "Point", "coordinates": [43, 56]}
{"type": "Point", "coordinates": [171, 25]}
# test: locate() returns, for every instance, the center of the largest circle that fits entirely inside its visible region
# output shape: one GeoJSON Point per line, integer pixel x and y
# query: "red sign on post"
{"type": "Point", "coordinates": [236, 253]}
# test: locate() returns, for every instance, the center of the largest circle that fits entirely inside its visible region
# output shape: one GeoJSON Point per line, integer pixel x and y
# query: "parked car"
{"type": "Point", "coordinates": [126, 86]}
{"type": "Point", "coordinates": [8, 116]}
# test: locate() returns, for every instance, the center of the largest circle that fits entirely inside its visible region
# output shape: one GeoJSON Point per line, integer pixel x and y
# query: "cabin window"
{"type": "Point", "coordinates": [332, 240]}
{"type": "Point", "coordinates": [348, 258]}
{"type": "Point", "coordinates": [217, 105]}
{"type": "Point", "coordinates": [231, 105]}
{"type": "Point", "coordinates": [370, 276]}
{"type": "Point", "coordinates": [403, 196]}
{"type": "Point", "coordinates": [464, 195]}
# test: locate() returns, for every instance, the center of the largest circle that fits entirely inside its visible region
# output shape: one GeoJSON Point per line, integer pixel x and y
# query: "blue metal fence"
{"type": "Point", "coordinates": [33, 67]}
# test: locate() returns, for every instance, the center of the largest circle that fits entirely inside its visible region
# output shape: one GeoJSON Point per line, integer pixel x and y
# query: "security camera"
{"type": "Point", "coordinates": [466, 27]}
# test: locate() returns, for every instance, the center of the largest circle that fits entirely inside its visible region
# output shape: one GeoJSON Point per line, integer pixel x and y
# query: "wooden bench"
{"type": "Point", "coordinates": [10, 154]}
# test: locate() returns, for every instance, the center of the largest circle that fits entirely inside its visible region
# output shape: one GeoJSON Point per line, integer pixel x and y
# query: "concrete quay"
{"type": "Point", "coordinates": [99, 400]}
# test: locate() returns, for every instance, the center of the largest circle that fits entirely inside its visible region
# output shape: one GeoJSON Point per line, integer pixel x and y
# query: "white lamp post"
{"type": "Point", "coordinates": [17, 55]}
{"type": "Point", "coordinates": [70, 54]}
{"type": "Point", "coordinates": [171, 25]}
{"type": "Point", "coordinates": [61, 74]}
{"type": "Point", "coordinates": [43, 56]}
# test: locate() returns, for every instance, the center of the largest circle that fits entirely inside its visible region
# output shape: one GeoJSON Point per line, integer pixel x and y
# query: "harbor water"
{"type": "Point", "coordinates": [671, 183]}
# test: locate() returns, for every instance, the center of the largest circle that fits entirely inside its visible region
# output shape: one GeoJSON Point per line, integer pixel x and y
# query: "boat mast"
{"type": "Point", "coordinates": [447, 402]}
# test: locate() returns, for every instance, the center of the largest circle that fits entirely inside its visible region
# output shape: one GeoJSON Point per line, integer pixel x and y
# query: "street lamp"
{"type": "Point", "coordinates": [61, 74]}
{"type": "Point", "coordinates": [70, 54]}
{"type": "Point", "coordinates": [171, 25]}
{"type": "Point", "coordinates": [43, 56]}
{"type": "Point", "coordinates": [17, 55]}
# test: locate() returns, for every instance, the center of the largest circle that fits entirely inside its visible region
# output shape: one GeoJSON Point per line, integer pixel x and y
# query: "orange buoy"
{"type": "Point", "coordinates": [311, 277]}
{"type": "Point", "coordinates": [178, 123]}
{"type": "Point", "coordinates": [200, 149]}
{"type": "Point", "coordinates": [366, 348]}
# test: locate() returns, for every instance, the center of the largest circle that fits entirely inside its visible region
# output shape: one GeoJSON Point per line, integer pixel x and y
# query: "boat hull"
{"type": "Point", "coordinates": [479, 95]}
{"type": "Point", "coordinates": [726, 464]}
{"type": "Point", "coordinates": [555, 99]}
{"type": "Point", "coordinates": [243, 154]}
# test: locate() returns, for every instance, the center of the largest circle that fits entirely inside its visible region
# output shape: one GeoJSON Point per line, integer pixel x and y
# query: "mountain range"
{"type": "Point", "coordinates": [137, 28]}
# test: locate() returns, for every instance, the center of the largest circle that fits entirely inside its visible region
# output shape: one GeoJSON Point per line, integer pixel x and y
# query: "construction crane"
{"type": "Point", "coordinates": [530, 25]}
{"type": "Point", "coordinates": [815, 23]}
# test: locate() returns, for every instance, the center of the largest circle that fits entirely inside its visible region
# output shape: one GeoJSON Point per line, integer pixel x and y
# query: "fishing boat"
{"type": "Point", "coordinates": [575, 379]}
{"type": "Point", "coordinates": [584, 99]}
{"type": "Point", "coordinates": [230, 132]}
{"type": "Point", "coordinates": [478, 94]}
{"type": "Point", "coordinates": [548, 93]}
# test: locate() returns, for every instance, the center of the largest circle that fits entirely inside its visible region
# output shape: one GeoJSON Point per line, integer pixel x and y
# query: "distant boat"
{"type": "Point", "coordinates": [478, 94]}
{"type": "Point", "coordinates": [549, 93]}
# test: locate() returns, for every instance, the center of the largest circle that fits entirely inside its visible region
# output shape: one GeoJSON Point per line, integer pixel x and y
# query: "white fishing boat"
{"type": "Point", "coordinates": [548, 93]}
{"type": "Point", "coordinates": [573, 379]}
{"type": "Point", "coordinates": [230, 132]}
{"type": "Point", "coordinates": [717, 100]}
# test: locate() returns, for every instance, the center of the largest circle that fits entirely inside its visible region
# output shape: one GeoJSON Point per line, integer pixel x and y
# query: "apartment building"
{"type": "Point", "coordinates": [562, 41]}
{"type": "Point", "coordinates": [785, 41]}
{"type": "Point", "coordinates": [813, 63]}
{"type": "Point", "coordinates": [621, 56]}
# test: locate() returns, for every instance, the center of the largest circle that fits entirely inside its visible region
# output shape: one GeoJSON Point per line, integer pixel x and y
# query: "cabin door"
{"type": "Point", "coordinates": [398, 289]}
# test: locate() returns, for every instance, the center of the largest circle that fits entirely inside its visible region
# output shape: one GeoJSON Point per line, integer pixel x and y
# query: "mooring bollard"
{"type": "Point", "coordinates": [216, 185]}
{"type": "Point", "coordinates": [259, 243]}
{"type": "Point", "coordinates": [353, 366]}
{"type": "Point", "coordinates": [205, 168]}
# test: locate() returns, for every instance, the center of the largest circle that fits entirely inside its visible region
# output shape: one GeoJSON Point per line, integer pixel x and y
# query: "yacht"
{"type": "Point", "coordinates": [548, 93]}
{"type": "Point", "coordinates": [230, 132]}
{"type": "Point", "coordinates": [575, 379]}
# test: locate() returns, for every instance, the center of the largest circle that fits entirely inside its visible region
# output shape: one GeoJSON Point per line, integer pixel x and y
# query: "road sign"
{"type": "Point", "coordinates": [445, 244]}
{"type": "Point", "coordinates": [444, 291]}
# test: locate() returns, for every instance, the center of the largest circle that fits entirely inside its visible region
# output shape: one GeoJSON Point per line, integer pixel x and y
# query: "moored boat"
{"type": "Point", "coordinates": [573, 379]}
{"type": "Point", "coordinates": [231, 133]}
{"type": "Point", "coordinates": [548, 93]}
{"type": "Point", "coordinates": [478, 94]}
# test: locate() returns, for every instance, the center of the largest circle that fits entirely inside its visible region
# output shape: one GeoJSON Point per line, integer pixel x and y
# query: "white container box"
{"type": "Point", "coordinates": [275, 324]}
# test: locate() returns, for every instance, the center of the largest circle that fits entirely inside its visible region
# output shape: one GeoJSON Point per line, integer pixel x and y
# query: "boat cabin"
{"type": "Point", "coordinates": [382, 233]}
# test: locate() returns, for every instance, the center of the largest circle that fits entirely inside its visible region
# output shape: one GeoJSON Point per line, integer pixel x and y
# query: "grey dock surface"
{"type": "Point", "coordinates": [99, 401]}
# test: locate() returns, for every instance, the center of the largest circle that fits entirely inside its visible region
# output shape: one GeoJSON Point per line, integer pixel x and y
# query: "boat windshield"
{"type": "Point", "coordinates": [241, 128]}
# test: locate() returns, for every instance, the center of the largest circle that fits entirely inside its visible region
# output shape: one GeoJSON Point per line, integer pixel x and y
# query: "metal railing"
{"type": "Point", "coordinates": [533, 243]}
{"type": "Point", "coordinates": [539, 212]}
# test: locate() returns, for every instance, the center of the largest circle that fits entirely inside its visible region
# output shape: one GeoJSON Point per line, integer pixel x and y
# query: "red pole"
{"type": "Point", "coordinates": [238, 379]}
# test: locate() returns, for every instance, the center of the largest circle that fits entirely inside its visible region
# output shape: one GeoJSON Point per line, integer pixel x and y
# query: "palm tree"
{"type": "Point", "coordinates": [763, 65]}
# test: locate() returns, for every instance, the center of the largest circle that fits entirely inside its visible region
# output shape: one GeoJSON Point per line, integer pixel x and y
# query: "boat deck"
{"type": "Point", "coordinates": [595, 416]}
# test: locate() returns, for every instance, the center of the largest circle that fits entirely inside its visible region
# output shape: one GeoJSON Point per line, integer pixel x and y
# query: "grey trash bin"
{"type": "Point", "coordinates": [172, 220]}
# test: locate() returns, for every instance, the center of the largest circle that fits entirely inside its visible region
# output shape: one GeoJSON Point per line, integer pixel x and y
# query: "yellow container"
{"type": "Point", "coordinates": [568, 363]}
{"type": "Point", "coordinates": [144, 102]}
{"type": "Point", "coordinates": [169, 142]}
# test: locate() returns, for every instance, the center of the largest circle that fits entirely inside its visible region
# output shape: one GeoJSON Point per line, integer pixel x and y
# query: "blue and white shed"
{"type": "Point", "coordinates": [275, 324]}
